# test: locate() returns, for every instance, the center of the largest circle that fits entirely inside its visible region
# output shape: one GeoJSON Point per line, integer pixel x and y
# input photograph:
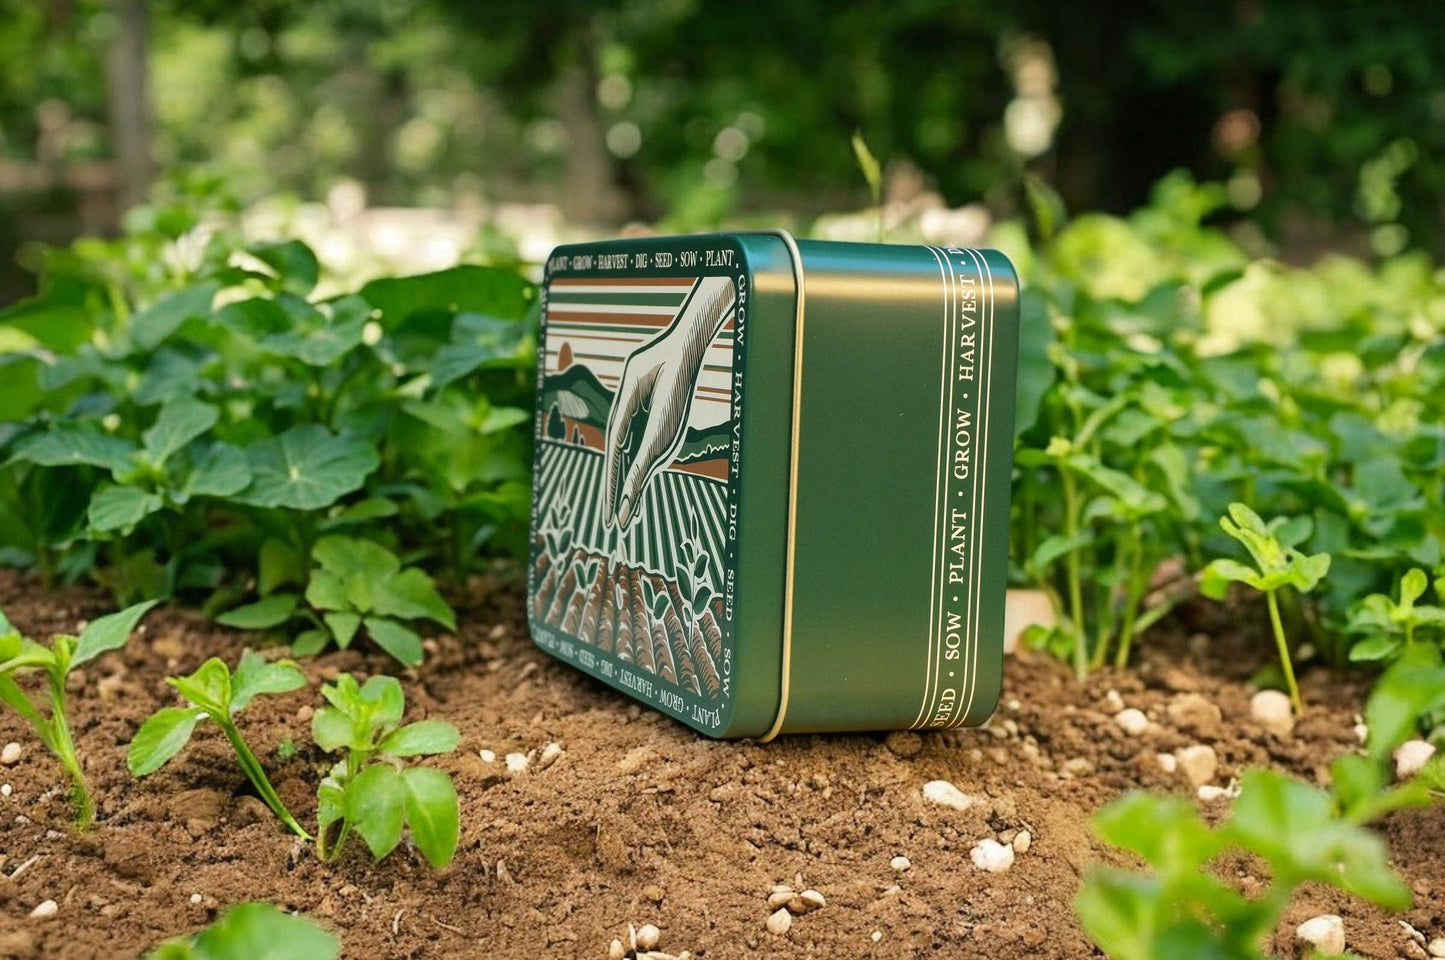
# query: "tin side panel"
{"type": "Point", "coordinates": [636, 479]}
{"type": "Point", "coordinates": [905, 449]}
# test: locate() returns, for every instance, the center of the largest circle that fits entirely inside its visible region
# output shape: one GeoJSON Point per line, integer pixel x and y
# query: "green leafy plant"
{"type": "Point", "coordinates": [214, 692]}
{"type": "Point", "coordinates": [19, 655]}
{"type": "Point", "coordinates": [370, 791]}
{"type": "Point", "coordinates": [1277, 564]}
{"type": "Point", "coordinates": [354, 584]}
{"type": "Point", "coordinates": [253, 931]}
{"type": "Point", "coordinates": [1180, 907]}
{"type": "Point", "coordinates": [1388, 627]}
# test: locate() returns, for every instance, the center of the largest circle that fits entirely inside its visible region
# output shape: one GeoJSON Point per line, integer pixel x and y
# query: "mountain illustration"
{"type": "Point", "coordinates": [707, 444]}
{"type": "Point", "coordinates": [579, 395]}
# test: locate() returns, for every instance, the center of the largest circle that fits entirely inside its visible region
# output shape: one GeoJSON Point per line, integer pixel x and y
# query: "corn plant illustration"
{"type": "Point", "coordinates": [584, 573]}
{"type": "Point", "coordinates": [557, 543]}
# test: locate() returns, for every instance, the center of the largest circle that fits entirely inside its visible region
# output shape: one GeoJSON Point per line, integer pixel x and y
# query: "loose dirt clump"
{"type": "Point", "coordinates": [633, 819]}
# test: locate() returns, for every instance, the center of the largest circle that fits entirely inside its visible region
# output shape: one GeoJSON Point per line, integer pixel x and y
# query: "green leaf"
{"type": "Point", "coordinates": [1374, 648]}
{"type": "Point", "coordinates": [259, 931]}
{"type": "Point", "coordinates": [375, 807]}
{"type": "Point", "coordinates": [160, 738]}
{"type": "Point", "coordinates": [432, 814]}
{"type": "Point", "coordinates": [279, 564]}
{"type": "Point", "coordinates": [1056, 547]}
{"type": "Point", "coordinates": [1120, 912]}
{"type": "Point", "coordinates": [222, 471]}
{"type": "Point", "coordinates": [343, 627]}
{"type": "Point", "coordinates": [330, 800]}
{"type": "Point", "coordinates": [1214, 581]}
{"type": "Point", "coordinates": [471, 289]}
{"type": "Point", "coordinates": [256, 675]}
{"type": "Point", "coordinates": [868, 164]}
{"type": "Point", "coordinates": [1166, 831]}
{"type": "Point", "coordinates": [157, 322]}
{"type": "Point", "coordinates": [310, 643]}
{"type": "Point", "coordinates": [421, 738]}
{"type": "Point", "coordinates": [178, 423]}
{"type": "Point", "coordinates": [293, 261]}
{"type": "Point", "coordinates": [109, 632]}
{"type": "Point", "coordinates": [117, 508]}
{"type": "Point", "coordinates": [65, 444]}
{"type": "Point", "coordinates": [326, 591]}
{"type": "Point", "coordinates": [319, 345]}
{"type": "Point", "coordinates": [399, 641]}
{"type": "Point", "coordinates": [264, 614]}
{"type": "Point", "coordinates": [351, 556]}
{"type": "Point", "coordinates": [385, 696]}
{"type": "Point", "coordinates": [1412, 688]}
{"type": "Point", "coordinates": [332, 730]}
{"type": "Point", "coordinates": [209, 687]}
{"type": "Point", "coordinates": [411, 595]}
{"type": "Point", "coordinates": [1412, 587]}
{"type": "Point", "coordinates": [306, 468]}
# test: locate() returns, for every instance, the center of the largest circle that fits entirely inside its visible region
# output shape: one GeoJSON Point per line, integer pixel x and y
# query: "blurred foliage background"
{"type": "Point", "coordinates": [1326, 121]}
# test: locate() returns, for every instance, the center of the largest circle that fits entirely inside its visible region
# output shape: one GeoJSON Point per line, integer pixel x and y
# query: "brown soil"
{"type": "Point", "coordinates": [641, 820]}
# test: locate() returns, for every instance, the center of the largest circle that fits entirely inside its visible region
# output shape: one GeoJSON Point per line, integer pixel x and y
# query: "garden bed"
{"type": "Point", "coordinates": [640, 820]}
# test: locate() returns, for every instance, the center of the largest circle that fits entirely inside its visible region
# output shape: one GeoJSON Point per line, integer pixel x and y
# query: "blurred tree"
{"type": "Point", "coordinates": [1321, 118]}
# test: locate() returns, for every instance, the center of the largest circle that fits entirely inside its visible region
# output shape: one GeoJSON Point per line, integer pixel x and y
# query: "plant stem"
{"type": "Point", "coordinates": [1071, 562]}
{"type": "Point", "coordinates": [63, 746]}
{"type": "Point", "coordinates": [257, 775]}
{"type": "Point", "coordinates": [1132, 600]}
{"type": "Point", "coordinates": [1283, 645]}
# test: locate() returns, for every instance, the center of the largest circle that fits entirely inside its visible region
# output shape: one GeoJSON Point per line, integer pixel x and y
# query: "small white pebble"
{"type": "Point", "coordinates": [780, 898]}
{"type": "Point", "coordinates": [648, 936]}
{"type": "Point", "coordinates": [6, 789]}
{"type": "Point", "coordinates": [488, 756]}
{"type": "Point", "coordinates": [1022, 841]}
{"type": "Point", "coordinates": [1362, 732]}
{"type": "Point", "coordinates": [196, 899]}
{"type": "Point", "coordinates": [946, 794]}
{"type": "Point", "coordinates": [876, 935]}
{"type": "Point", "coordinates": [1325, 932]}
{"type": "Point", "coordinates": [1271, 709]}
{"type": "Point", "coordinates": [1209, 792]}
{"type": "Point", "coordinates": [1132, 721]}
{"type": "Point", "coordinates": [1113, 703]}
{"type": "Point", "coordinates": [900, 863]}
{"type": "Point", "coordinates": [615, 950]}
{"type": "Point", "coordinates": [988, 854]}
{"type": "Point", "coordinates": [517, 762]}
{"type": "Point", "coordinates": [10, 755]}
{"type": "Point", "coordinates": [1411, 757]}
{"type": "Point", "coordinates": [812, 899]}
{"type": "Point", "coordinates": [780, 922]}
{"type": "Point", "coordinates": [45, 910]}
{"type": "Point", "coordinates": [1437, 947]}
{"type": "Point", "coordinates": [1199, 763]}
{"type": "Point", "coordinates": [1167, 762]}
{"type": "Point", "coordinates": [549, 756]}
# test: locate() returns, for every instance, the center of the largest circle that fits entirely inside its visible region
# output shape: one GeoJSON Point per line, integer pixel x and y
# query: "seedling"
{"type": "Point", "coordinates": [253, 930]}
{"type": "Point", "coordinates": [1181, 907]}
{"type": "Point", "coordinates": [354, 583]}
{"type": "Point", "coordinates": [1278, 563]}
{"type": "Point", "coordinates": [19, 655]}
{"type": "Point", "coordinates": [1388, 627]}
{"type": "Point", "coordinates": [370, 790]}
{"type": "Point", "coordinates": [215, 692]}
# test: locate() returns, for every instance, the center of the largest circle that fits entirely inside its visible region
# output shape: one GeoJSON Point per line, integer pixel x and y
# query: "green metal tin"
{"type": "Point", "coordinates": [772, 477]}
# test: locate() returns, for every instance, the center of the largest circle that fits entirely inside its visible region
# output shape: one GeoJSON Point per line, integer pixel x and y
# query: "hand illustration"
{"type": "Point", "coordinates": [648, 420]}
